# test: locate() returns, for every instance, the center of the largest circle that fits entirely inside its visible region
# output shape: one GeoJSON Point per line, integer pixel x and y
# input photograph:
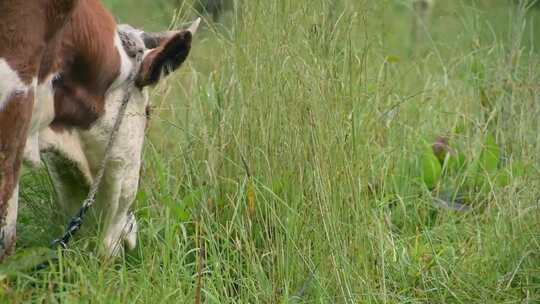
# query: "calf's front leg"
{"type": "Point", "coordinates": [121, 177]}
{"type": "Point", "coordinates": [113, 202]}
{"type": "Point", "coordinates": [72, 170]}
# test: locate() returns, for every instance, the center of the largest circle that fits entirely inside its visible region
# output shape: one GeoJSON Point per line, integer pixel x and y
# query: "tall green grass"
{"type": "Point", "coordinates": [282, 163]}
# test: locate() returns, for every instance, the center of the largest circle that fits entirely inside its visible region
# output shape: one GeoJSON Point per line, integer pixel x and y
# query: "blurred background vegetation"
{"type": "Point", "coordinates": [313, 151]}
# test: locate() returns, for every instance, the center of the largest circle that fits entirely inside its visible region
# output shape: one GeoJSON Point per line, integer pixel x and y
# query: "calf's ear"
{"type": "Point", "coordinates": [166, 57]}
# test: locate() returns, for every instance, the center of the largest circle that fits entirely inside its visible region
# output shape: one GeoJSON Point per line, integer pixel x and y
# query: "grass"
{"type": "Point", "coordinates": [282, 163]}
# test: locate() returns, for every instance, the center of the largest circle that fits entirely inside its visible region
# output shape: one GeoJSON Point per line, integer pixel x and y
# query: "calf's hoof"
{"type": "Point", "coordinates": [130, 232]}
{"type": "Point", "coordinates": [122, 235]}
{"type": "Point", "coordinates": [8, 231]}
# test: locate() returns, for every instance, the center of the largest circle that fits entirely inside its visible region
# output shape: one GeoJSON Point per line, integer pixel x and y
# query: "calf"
{"type": "Point", "coordinates": [82, 79]}
{"type": "Point", "coordinates": [26, 29]}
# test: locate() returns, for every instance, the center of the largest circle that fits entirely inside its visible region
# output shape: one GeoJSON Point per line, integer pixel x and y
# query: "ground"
{"type": "Point", "coordinates": [289, 161]}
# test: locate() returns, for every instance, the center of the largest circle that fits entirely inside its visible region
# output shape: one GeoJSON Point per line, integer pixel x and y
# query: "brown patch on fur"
{"type": "Point", "coordinates": [75, 106]}
{"type": "Point", "coordinates": [17, 115]}
{"type": "Point", "coordinates": [26, 27]}
{"type": "Point", "coordinates": [88, 61]}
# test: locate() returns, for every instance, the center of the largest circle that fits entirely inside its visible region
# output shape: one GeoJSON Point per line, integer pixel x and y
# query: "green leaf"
{"type": "Point", "coordinates": [193, 198]}
{"type": "Point", "coordinates": [478, 72]}
{"type": "Point", "coordinates": [392, 59]}
{"type": "Point", "coordinates": [503, 178]}
{"type": "Point", "coordinates": [461, 127]}
{"type": "Point", "coordinates": [178, 210]}
{"type": "Point", "coordinates": [485, 167]}
{"type": "Point", "coordinates": [489, 158]}
{"type": "Point", "coordinates": [484, 100]}
{"type": "Point", "coordinates": [456, 162]}
{"type": "Point", "coordinates": [518, 169]}
{"type": "Point", "coordinates": [183, 209]}
{"type": "Point", "coordinates": [431, 169]}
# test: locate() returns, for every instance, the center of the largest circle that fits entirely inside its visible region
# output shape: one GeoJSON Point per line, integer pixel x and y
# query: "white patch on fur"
{"type": "Point", "coordinates": [10, 83]}
{"type": "Point", "coordinates": [126, 65]}
{"type": "Point", "coordinates": [42, 116]}
{"type": "Point", "coordinates": [9, 230]}
{"type": "Point", "coordinates": [130, 232]}
{"type": "Point", "coordinates": [31, 151]}
{"type": "Point", "coordinates": [69, 145]}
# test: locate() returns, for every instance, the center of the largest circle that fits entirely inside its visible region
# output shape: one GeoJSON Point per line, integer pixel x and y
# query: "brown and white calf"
{"type": "Point", "coordinates": [82, 80]}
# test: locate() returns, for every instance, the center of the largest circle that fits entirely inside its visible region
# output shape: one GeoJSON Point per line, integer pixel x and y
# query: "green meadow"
{"type": "Point", "coordinates": [313, 151]}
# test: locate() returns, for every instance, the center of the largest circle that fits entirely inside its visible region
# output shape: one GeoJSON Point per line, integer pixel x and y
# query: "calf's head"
{"type": "Point", "coordinates": [94, 71]}
{"type": "Point", "coordinates": [151, 56]}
